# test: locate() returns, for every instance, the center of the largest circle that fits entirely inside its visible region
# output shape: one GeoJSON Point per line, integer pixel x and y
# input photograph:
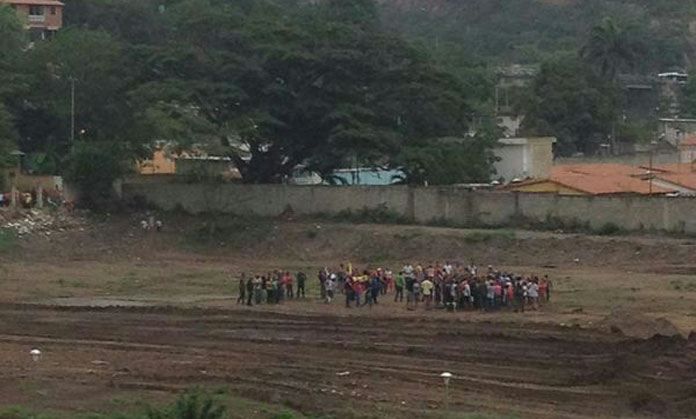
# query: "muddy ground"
{"type": "Point", "coordinates": [592, 353]}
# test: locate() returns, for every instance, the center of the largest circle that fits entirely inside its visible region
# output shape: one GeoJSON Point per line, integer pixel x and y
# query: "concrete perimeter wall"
{"type": "Point", "coordinates": [424, 205]}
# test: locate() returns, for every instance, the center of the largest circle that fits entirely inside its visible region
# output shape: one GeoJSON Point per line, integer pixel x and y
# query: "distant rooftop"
{"type": "Point", "coordinates": [34, 2]}
{"type": "Point", "coordinates": [518, 71]}
{"type": "Point", "coordinates": [600, 179]}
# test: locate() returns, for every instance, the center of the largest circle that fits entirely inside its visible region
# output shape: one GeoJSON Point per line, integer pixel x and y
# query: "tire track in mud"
{"type": "Point", "coordinates": [538, 370]}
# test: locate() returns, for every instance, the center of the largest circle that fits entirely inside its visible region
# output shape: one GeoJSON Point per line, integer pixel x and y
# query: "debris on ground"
{"type": "Point", "coordinates": [32, 222]}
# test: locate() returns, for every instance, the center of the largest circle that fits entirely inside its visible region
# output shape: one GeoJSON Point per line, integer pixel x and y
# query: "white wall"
{"type": "Point", "coordinates": [512, 162]}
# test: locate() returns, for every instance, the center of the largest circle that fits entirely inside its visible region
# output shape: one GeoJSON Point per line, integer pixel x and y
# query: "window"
{"type": "Point", "coordinates": [53, 10]}
{"type": "Point", "coordinates": [36, 10]}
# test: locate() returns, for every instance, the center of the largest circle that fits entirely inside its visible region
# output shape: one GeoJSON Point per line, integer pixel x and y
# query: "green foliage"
{"type": "Point", "coordinates": [97, 65]}
{"type": "Point", "coordinates": [609, 229]}
{"type": "Point", "coordinates": [379, 215]}
{"type": "Point", "coordinates": [679, 285]}
{"type": "Point", "coordinates": [450, 161]}
{"type": "Point", "coordinates": [610, 49]}
{"type": "Point", "coordinates": [94, 169]}
{"type": "Point", "coordinates": [569, 101]}
{"type": "Point", "coordinates": [193, 405]}
{"type": "Point", "coordinates": [7, 239]}
{"type": "Point", "coordinates": [12, 41]}
{"type": "Point", "coordinates": [690, 97]}
{"type": "Point", "coordinates": [530, 31]}
{"type": "Point", "coordinates": [320, 85]}
{"type": "Point", "coordinates": [7, 138]}
{"type": "Point", "coordinates": [228, 231]}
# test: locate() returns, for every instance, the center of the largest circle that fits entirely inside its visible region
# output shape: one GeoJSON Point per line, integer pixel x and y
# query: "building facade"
{"type": "Point", "coordinates": [524, 158]}
{"type": "Point", "coordinates": [43, 18]}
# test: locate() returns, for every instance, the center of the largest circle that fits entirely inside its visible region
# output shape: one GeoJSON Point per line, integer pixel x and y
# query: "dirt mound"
{"type": "Point", "coordinates": [638, 325]}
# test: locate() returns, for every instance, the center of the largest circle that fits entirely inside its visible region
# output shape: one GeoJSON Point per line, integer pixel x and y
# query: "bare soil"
{"type": "Point", "coordinates": [118, 310]}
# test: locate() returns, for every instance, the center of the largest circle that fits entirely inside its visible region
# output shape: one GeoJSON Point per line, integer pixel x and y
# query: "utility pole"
{"type": "Point", "coordinates": [650, 179]}
{"type": "Point", "coordinates": [72, 114]}
{"type": "Point", "coordinates": [652, 151]}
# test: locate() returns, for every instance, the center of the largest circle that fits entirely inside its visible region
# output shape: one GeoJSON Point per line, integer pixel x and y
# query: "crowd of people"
{"type": "Point", "coordinates": [452, 286]}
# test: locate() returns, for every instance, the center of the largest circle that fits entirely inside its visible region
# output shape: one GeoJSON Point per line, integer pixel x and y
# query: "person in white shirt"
{"type": "Point", "coordinates": [330, 288]}
{"type": "Point", "coordinates": [533, 295]}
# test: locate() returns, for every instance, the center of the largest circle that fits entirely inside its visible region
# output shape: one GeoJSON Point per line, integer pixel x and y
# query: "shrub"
{"type": "Point", "coordinates": [378, 215]}
{"type": "Point", "coordinates": [193, 405]}
{"type": "Point", "coordinates": [7, 239]}
{"type": "Point", "coordinates": [94, 170]}
{"type": "Point", "coordinates": [609, 229]}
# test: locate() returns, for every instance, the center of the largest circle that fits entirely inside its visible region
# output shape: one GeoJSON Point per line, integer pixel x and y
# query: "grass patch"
{"type": "Point", "coordinates": [7, 239]}
{"type": "Point", "coordinates": [227, 231]}
{"type": "Point", "coordinates": [235, 408]}
{"type": "Point", "coordinates": [679, 285]}
{"type": "Point", "coordinates": [610, 229]}
{"type": "Point", "coordinates": [378, 215]}
{"type": "Point", "coordinates": [487, 236]}
{"type": "Point", "coordinates": [456, 415]}
{"type": "Point", "coordinates": [24, 413]}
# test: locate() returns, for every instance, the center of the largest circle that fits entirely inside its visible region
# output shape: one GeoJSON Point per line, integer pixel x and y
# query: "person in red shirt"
{"type": "Point", "coordinates": [287, 283]}
{"type": "Point", "coordinates": [510, 293]}
{"type": "Point", "coordinates": [498, 292]}
{"type": "Point", "coordinates": [358, 289]}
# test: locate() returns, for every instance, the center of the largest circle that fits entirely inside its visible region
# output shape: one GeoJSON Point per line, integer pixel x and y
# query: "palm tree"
{"type": "Point", "coordinates": [609, 49]}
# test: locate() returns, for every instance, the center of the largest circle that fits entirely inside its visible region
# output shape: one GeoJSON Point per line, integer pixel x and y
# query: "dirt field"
{"type": "Point", "coordinates": [125, 316]}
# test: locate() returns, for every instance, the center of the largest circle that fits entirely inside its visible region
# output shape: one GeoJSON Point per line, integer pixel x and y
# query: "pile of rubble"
{"type": "Point", "coordinates": [32, 222]}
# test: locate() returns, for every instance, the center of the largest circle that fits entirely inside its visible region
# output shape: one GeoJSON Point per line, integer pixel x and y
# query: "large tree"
{"type": "Point", "coordinates": [610, 48]}
{"type": "Point", "coordinates": [12, 42]}
{"type": "Point", "coordinates": [569, 101]}
{"type": "Point", "coordinates": [320, 85]}
{"type": "Point", "coordinates": [96, 67]}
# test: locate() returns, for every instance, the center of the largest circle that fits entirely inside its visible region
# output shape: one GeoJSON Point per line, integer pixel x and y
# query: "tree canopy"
{"type": "Point", "coordinates": [12, 42]}
{"type": "Point", "coordinates": [281, 84]}
{"type": "Point", "coordinates": [272, 84]}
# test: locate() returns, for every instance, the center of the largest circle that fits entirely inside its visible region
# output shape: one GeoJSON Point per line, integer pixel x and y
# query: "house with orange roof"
{"type": "Point", "coordinates": [594, 179]}
{"type": "Point", "coordinates": [678, 176]}
{"type": "Point", "coordinates": [43, 18]}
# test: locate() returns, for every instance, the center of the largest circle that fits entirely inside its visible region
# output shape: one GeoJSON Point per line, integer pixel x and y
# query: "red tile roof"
{"type": "Point", "coordinates": [606, 184]}
{"type": "Point", "coordinates": [673, 168]}
{"type": "Point", "coordinates": [685, 180]}
{"type": "Point", "coordinates": [599, 169]}
{"type": "Point", "coordinates": [601, 179]}
{"type": "Point", "coordinates": [689, 141]}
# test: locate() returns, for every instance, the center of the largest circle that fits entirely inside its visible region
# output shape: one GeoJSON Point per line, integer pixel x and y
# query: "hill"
{"type": "Point", "coordinates": [526, 31]}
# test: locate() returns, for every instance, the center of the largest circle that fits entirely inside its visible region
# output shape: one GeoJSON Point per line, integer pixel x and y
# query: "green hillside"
{"type": "Point", "coordinates": [528, 31]}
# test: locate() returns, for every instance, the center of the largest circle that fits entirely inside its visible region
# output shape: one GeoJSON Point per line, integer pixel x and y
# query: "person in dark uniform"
{"type": "Point", "coordinates": [250, 290]}
{"type": "Point", "coordinates": [242, 290]}
{"type": "Point", "coordinates": [301, 278]}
